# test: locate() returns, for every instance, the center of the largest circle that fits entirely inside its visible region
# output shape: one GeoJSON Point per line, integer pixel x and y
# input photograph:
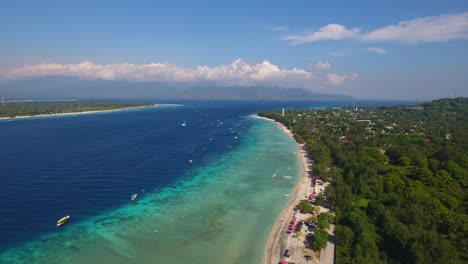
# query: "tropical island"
{"type": "Point", "coordinates": [17, 109]}
{"type": "Point", "coordinates": [395, 181]}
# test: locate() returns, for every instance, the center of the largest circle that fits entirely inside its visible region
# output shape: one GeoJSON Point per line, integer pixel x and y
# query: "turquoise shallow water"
{"type": "Point", "coordinates": [218, 213]}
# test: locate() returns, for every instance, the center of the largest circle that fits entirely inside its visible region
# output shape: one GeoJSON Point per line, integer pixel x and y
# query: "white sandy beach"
{"type": "Point", "coordinates": [78, 113]}
{"type": "Point", "coordinates": [276, 241]}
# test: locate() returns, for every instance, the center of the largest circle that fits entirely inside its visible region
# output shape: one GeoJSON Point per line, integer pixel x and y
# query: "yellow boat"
{"type": "Point", "coordinates": [63, 220]}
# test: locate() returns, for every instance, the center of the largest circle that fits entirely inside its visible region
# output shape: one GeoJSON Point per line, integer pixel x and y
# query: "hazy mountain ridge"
{"type": "Point", "coordinates": [58, 87]}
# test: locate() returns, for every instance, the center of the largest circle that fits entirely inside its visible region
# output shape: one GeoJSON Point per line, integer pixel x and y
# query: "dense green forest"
{"type": "Point", "coordinates": [12, 109]}
{"type": "Point", "coordinates": [399, 178]}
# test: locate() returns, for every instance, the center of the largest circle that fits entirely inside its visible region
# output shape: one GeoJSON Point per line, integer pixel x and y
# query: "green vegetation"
{"type": "Point", "coordinates": [43, 108]}
{"type": "Point", "coordinates": [320, 200]}
{"type": "Point", "coordinates": [399, 177]}
{"type": "Point", "coordinates": [319, 240]}
{"type": "Point", "coordinates": [312, 218]}
{"type": "Point", "coordinates": [306, 207]}
{"type": "Point", "coordinates": [324, 220]}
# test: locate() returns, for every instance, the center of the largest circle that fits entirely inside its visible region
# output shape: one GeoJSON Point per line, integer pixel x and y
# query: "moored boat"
{"type": "Point", "coordinates": [63, 220]}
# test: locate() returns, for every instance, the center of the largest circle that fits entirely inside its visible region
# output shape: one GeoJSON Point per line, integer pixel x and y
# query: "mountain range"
{"type": "Point", "coordinates": [64, 87]}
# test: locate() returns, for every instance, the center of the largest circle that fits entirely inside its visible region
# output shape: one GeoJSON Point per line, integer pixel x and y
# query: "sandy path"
{"type": "Point", "coordinates": [276, 242]}
{"type": "Point", "coordinates": [327, 255]}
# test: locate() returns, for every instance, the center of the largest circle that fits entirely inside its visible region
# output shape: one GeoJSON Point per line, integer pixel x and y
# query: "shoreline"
{"type": "Point", "coordinates": [79, 113]}
{"type": "Point", "coordinates": [275, 244]}
{"type": "Point", "coordinates": [155, 224]}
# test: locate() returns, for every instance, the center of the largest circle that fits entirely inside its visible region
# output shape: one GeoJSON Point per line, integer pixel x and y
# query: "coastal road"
{"type": "Point", "coordinates": [327, 255]}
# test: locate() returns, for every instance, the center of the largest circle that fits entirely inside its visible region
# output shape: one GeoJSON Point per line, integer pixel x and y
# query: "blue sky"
{"type": "Point", "coordinates": [350, 47]}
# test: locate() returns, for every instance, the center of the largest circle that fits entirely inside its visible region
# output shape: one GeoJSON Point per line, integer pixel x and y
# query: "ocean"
{"type": "Point", "coordinates": [218, 209]}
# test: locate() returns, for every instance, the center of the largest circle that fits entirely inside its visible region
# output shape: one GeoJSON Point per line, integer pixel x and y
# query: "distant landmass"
{"type": "Point", "coordinates": [28, 109]}
{"type": "Point", "coordinates": [60, 87]}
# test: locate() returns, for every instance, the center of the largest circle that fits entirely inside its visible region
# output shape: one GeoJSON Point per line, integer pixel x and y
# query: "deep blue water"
{"type": "Point", "coordinates": [86, 164]}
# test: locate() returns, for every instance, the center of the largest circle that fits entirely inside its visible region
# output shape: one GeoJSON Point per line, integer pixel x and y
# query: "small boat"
{"type": "Point", "coordinates": [190, 161]}
{"type": "Point", "coordinates": [133, 197]}
{"type": "Point", "coordinates": [274, 175]}
{"type": "Point", "coordinates": [63, 220]}
{"type": "Point", "coordinates": [184, 124]}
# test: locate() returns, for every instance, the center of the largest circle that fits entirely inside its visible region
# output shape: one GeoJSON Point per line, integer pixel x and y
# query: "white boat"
{"type": "Point", "coordinates": [184, 124]}
{"type": "Point", "coordinates": [274, 175]}
{"type": "Point", "coordinates": [190, 161]}
{"type": "Point", "coordinates": [63, 220]}
{"type": "Point", "coordinates": [134, 196]}
{"type": "Point", "coordinates": [286, 177]}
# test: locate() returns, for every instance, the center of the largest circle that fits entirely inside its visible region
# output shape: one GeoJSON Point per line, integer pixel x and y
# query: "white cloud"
{"type": "Point", "coordinates": [328, 32]}
{"type": "Point", "coordinates": [377, 50]}
{"type": "Point", "coordinates": [336, 79]}
{"type": "Point", "coordinates": [238, 72]}
{"type": "Point", "coordinates": [427, 29]}
{"type": "Point", "coordinates": [440, 28]}
{"type": "Point", "coordinates": [322, 65]}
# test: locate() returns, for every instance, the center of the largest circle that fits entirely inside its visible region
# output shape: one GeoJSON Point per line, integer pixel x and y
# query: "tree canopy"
{"type": "Point", "coordinates": [399, 177]}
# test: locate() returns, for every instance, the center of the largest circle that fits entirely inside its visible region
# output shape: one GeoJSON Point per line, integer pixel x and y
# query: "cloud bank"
{"type": "Point", "coordinates": [236, 73]}
{"type": "Point", "coordinates": [440, 28]}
